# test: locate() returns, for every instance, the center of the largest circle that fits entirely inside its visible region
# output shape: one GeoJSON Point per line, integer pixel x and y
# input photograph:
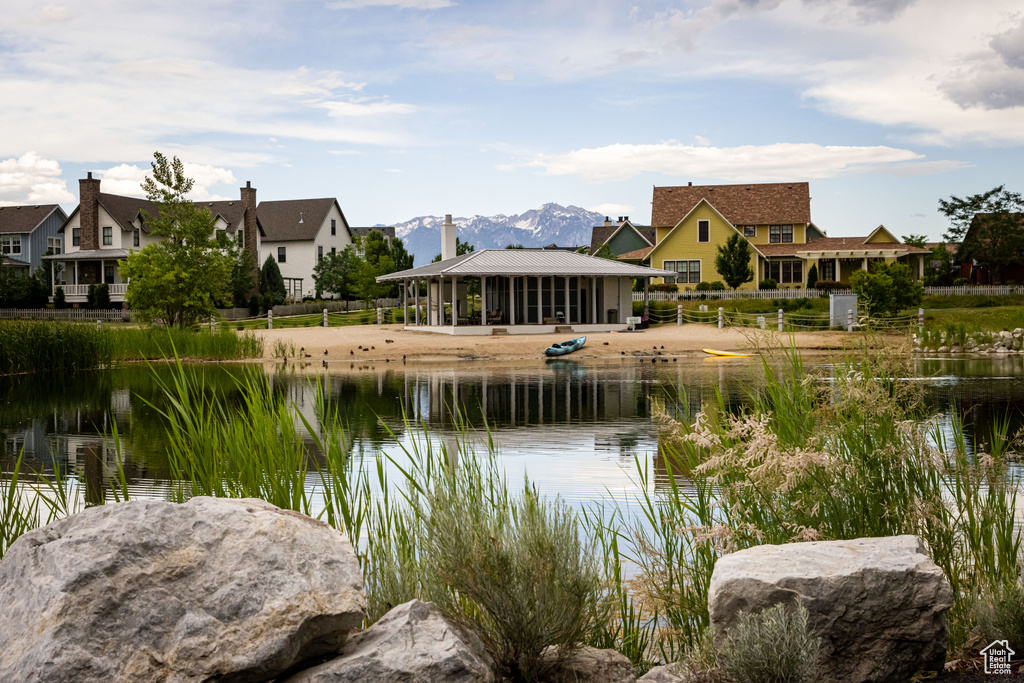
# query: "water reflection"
{"type": "Point", "coordinates": [574, 427]}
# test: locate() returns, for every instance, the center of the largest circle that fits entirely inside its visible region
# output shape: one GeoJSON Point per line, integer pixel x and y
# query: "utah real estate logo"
{"type": "Point", "coordinates": [997, 657]}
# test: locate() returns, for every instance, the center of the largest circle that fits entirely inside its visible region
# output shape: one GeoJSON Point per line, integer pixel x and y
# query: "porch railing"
{"type": "Point", "coordinates": [83, 290]}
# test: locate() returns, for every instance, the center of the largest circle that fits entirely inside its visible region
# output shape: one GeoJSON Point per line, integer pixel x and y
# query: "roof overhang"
{"type": "Point", "coordinates": [90, 255]}
{"type": "Point", "coordinates": [853, 253]}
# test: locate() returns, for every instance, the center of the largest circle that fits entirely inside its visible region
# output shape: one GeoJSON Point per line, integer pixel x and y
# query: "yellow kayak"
{"type": "Point", "coordinates": [728, 354]}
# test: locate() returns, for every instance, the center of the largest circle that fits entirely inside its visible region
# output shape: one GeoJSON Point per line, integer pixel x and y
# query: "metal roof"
{"type": "Point", "coordinates": [526, 262]}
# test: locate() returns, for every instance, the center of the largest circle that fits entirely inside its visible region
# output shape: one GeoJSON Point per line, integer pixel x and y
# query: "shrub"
{"type": "Point", "coordinates": [59, 300]}
{"type": "Point", "coordinates": [775, 646]}
{"type": "Point", "coordinates": [1001, 615]}
{"type": "Point", "coordinates": [829, 285]}
{"type": "Point", "coordinates": [664, 287]}
{"type": "Point", "coordinates": [717, 286]}
{"type": "Point", "coordinates": [768, 284]}
{"type": "Point", "coordinates": [703, 287]}
{"type": "Point", "coordinates": [961, 281]}
{"type": "Point", "coordinates": [812, 276]}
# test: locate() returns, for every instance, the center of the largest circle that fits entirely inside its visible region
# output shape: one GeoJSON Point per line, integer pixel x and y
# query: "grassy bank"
{"type": "Point", "coordinates": [44, 346]}
{"type": "Point", "coordinates": [809, 460]}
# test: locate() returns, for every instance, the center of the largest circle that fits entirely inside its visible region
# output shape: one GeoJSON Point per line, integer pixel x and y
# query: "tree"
{"type": "Point", "coordinates": [812, 276]}
{"type": "Point", "coordinates": [336, 273]}
{"type": "Point", "coordinates": [272, 289]}
{"type": "Point", "coordinates": [59, 300]}
{"type": "Point", "coordinates": [181, 278]}
{"type": "Point", "coordinates": [915, 241]}
{"type": "Point", "coordinates": [989, 227]}
{"type": "Point", "coordinates": [243, 270]}
{"type": "Point", "coordinates": [513, 246]}
{"type": "Point", "coordinates": [886, 291]}
{"type": "Point", "coordinates": [733, 261]}
{"type": "Point", "coordinates": [605, 251]}
{"type": "Point", "coordinates": [461, 248]}
{"type": "Point", "coordinates": [945, 273]}
{"type": "Point", "coordinates": [384, 256]}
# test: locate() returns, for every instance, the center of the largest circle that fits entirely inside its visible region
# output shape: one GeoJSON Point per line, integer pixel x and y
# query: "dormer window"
{"type": "Point", "coordinates": [135, 237]}
{"type": "Point", "coordinates": [703, 231]}
{"type": "Point", "coordinates": [108, 236]}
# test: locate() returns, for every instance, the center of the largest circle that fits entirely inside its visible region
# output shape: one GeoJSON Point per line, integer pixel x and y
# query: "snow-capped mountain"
{"type": "Point", "coordinates": [566, 226]}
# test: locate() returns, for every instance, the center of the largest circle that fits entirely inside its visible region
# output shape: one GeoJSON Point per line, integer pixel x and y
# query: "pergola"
{"type": "Point", "coordinates": [521, 290]}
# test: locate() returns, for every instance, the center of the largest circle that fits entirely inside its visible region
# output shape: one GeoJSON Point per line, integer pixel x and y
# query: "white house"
{"type": "Point", "coordinates": [298, 233]}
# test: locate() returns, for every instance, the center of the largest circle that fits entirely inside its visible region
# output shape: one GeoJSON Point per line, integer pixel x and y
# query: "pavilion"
{"type": "Point", "coordinates": [521, 291]}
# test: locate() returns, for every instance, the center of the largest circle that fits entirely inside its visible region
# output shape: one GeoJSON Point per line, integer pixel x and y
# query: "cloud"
{"type": "Point", "coordinates": [775, 162]}
{"type": "Point", "coordinates": [31, 179]}
{"type": "Point", "coordinates": [401, 4]}
{"type": "Point", "coordinates": [126, 179]}
{"type": "Point", "coordinates": [1010, 46]}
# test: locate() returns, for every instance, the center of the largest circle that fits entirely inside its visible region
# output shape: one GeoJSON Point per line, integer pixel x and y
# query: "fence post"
{"type": "Point", "coordinates": [380, 319]}
{"type": "Point", "coordinates": [99, 324]}
{"type": "Point", "coordinates": [325, 317]}
{"type": "Point", "coordinates": [780, 320]}
{"type": "Point", "coordinates": [721, 317]}
{"type": "Point", "coordinates": [211, 324]}
{"type": "Point", "coordinates": [679, 315]}
{"type": "Point", "coordinates": [920, 321]}
{"type": "Point", "coordinates": [270, 318]}
{"type": "Point", "coordinates": [849, 320]}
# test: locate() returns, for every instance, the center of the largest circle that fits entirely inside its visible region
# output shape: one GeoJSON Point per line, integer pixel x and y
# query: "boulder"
{"type": "Point", "coordinates": [412, 642]}
{"type": "Point", "coordinates": [588, 665]}
{"type": "Point", "coordinates": [157, 591]}
{"type": "Point", "coordinates": [878, 604]}
{"type": "Point", "coordinates": [666, 673]}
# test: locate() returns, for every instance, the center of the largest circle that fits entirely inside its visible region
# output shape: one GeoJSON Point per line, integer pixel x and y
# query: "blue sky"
{"type": "Point", "coordinates": [401, 108]}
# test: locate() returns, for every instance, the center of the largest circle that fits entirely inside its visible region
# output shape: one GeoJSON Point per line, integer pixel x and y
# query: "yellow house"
{"type": "Point", "coordinates": [692, 221]}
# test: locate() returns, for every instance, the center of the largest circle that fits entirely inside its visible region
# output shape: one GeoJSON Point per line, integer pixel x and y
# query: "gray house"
{"type": "Point", "coordinates": [27, 232]}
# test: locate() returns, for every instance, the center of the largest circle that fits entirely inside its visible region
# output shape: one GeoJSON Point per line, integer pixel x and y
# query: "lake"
{"type": "Point", "coordinates": [574, 428]}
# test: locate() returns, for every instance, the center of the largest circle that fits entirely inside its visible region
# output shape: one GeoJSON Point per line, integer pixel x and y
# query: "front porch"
{"type": "Point", "coordinates": [75, 272]}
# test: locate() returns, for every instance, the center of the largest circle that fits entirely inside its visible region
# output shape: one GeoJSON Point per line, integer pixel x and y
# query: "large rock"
{"type": "Point", "coordinates": [151, 590]}
{"type": "Point", "coordinates": [666, 673]}
{"type": "Point", "coordinates": [412, 642]}
{"type": "Point", "coordinates": [588, 665]}
{"type": "Point", "coordinates": [879, 604]}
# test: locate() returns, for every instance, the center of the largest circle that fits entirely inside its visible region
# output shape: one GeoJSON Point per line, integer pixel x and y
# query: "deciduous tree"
{"type": "Point", "coordinates": [997, 237]}
{"type": "Point", "coordinates": [887, 290]}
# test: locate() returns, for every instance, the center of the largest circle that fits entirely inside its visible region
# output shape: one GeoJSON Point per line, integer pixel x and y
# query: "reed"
{"type": "Point", "coordinates": [49, 346]}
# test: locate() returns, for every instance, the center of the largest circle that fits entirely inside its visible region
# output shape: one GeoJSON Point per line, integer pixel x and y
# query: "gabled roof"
{"type": "Point", "coordinates": [754, 204]}
{"type": "Point", "coordinates": [124, 210]}
{"type": "Point", "coordinates": [637, 255]}
{"type": "Point", "coordinates": [13, 262]}
{"type": "Point", "coordinates": [295, 219]}
{"type": "Point", "coordinates": [20, 219]}
{"type": "Point", "coordinates": [671, 232]}
{"type": "Point", "coordinates": [536, 262]}
{"type": "Point", "coordinates": [601, 234]}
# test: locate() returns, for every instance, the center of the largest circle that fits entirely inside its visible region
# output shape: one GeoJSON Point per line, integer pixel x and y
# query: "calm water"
{"type": "Point", "coordinates": [574, 428]}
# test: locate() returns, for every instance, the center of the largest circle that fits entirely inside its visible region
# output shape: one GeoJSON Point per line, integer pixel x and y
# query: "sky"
{"type": "Point", "coordinates": [403, 108]}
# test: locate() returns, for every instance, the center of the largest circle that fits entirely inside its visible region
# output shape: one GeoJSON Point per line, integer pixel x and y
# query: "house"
{"type": "Point", "coordinates": [104, 228]}
{"type": "Point", "coordinates": [27, 233]}
{"type": "Point", "coordinates": [524, 291]}
{"type": "Point", "coordinates": [979, 239]}
{"type": "Point", "coordinates": [298, 233]}
{"type": "Point", "coordinates": [621, 236]}
{"type": "Point", "coordinates": [691, 222]}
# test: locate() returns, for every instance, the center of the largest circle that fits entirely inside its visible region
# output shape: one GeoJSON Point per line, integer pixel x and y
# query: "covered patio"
{"type": "Point", "coordinates": [80, 269]}
{"type": "Point", "coordinates": [520, 291]}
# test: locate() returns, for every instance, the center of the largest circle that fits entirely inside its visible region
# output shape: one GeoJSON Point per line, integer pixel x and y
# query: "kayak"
{"type": "Point", "coordinates": [727, 354]}
{"type": "Point", "coordinates": [566, 347]}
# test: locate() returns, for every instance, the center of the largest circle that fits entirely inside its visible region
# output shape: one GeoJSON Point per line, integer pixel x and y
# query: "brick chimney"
{"type": "Point", "coordinates": [89, 212]}
{"type": "Point", "coordinates": [249, 228]}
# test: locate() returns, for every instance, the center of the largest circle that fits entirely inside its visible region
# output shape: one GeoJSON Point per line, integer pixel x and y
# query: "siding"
{"type": "Point", "coordinates": [36, 242]}
{"type": "Point", "coordinates": [626, 241]}
{"type": "Point", "coordinates": [683, 245]}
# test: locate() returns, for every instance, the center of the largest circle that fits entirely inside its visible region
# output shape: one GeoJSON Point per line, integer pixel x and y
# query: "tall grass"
{"type": "Point", "coordinates": [49, 346]}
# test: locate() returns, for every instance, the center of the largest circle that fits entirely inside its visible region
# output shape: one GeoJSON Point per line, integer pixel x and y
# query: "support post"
{"type": "Point", "coordinates": [780, 320]}
{"type": "Point", "coordinates": [849, 320]}
{"type": "Point", "coordinates": [721, 317]}
{"type": "Point", "coordinates": [405, 303]}
{"type": "Point", "coordinates": [325, 317]}
{"type": "Point", "coordinates": [416, 293]}
{"type": "Point", "coordinates": [483, 300]}
{"type": "Point", "coordinates": [920, 321]}
{"type": "Point", "coordinates": [512, 299]}
{"type": "Point", "coordinates": [593, 300]}
{"type": "Point", "coordinates": [679, 315]}
{"type": "Point", "coordinates": [211, 324]}
{"type": "Point", "coordinates": [565, 310]}
{"type": "Point", "coordinates": [270, 318]}
{"type": "Point", "coordinates": [99, 324]}
{"type": "Point", "coordinates": [380, 317]}
{"type": "Point", "coordinates": [647, 305]}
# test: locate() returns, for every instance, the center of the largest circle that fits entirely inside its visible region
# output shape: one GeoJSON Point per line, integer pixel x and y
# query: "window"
{"type": "Point", "coordinates": [786, 272]}
{"type": "Point", "coordinates": [703, 231]}
{"type": "Point", "coordinates": [108, 236]}
{"type": "Point", "coordinates": [334, 250]}
{"type": "Point", "coordinates": [12, 245]}
{"type": "Point", "coordinates": [240, 237]}
{"type": "Point", "coordinates": [689, 271]}
{"type": "Point", "coordinates": [334, 227]}
{"type": "Point", "coordinates": [827, 269]}
{"type": "Point", "coordinates": [76, 237]}
{"type": "Point", "coordinates": [281, 255]}
{"type": "Point", "coordinates": [54, 245]}
{"type": "Point", "coordinates": [750, 231]}
{"type": "Point", "coordinates": [319, 253]}
{"type": "Point", "coordinates": [135, 237]}
{"type": "Point", "coordinates": [780, 233]}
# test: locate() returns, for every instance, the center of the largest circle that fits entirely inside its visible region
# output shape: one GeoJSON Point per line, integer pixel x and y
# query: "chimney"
{"type": "Point", "coordinates": [89, 212]}
{"type": "Point", "coordinates": [448, 241]}
{"type": "Point", "coordinates": [607, 221]}
{"type": "Point", "coordinates": [690, 184]}
{"type": "Point", "coordinates": [249, 229]}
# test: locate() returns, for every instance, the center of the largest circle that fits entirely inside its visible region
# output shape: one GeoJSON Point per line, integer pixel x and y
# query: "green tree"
{"type": "Point", "coordinates": [887, 290]}
{"type": "Point", "coordinates": [336, 272]}
{"type": "Point", "coordinates": [180, 278]}
{"type": "Point", "coordinates": [272, 289]}
{"type": "Point", "coordinates": [733, 261]}
{"type": "Point", "coordinates": [605, 251]}
{"type": "Point", "coordinates": [461, 248]}
{"type": "Point", "coordinates": [513, 246]}
{"type": "Point", "coordinates": [997, 237]}
{"type": "Point", "coordinates": [945, 273]}
{"type": "Point", "coordinates": [915, 241]}
{"type": "Point", "coordinates": [243, 270]}
{"type": "Point", "coordinates": [812, 276]}
{"type": "Point", "coordinates": [59, 300]}
{"type": "Point", "coordinates": [383, 256]}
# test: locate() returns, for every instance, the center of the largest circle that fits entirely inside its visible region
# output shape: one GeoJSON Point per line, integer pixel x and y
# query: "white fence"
{"type": "Point", "coordinates": [77, 314]}
{"type": "Point", "coordinates": [726, 294]}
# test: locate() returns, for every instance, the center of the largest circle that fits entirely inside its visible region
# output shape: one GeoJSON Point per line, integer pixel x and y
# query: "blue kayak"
{"type": "Point", "coordinates": [566, 347]}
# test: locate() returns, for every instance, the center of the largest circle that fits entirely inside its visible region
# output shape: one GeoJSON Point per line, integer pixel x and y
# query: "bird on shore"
{"type": "Point", "coordinates": [403, 357]}
{"type": "Point", "coordinates": [302, 350]}
{"type": "Point", "coordinates": [360, 347]}
{"type": "Point", "coordinates": [325, 352]}
{"type": "Point", "coordinates": [623, 353]}
{"type": "Point", "coordinates": [389, 341]}
{"type": "Point", "coordinates": [374, 348]}
{"type": "Point", "coordinates": [351, 352]}
{"type": "Point", "coordinates": [606, 343]}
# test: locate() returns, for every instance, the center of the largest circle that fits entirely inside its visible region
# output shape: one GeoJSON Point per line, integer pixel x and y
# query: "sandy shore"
{"type": "Point", "coordinates": [392, 343]}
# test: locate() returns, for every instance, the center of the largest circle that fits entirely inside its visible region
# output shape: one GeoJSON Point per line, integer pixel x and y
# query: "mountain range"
{"type": "Point", "coordinates": [566, 226]}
